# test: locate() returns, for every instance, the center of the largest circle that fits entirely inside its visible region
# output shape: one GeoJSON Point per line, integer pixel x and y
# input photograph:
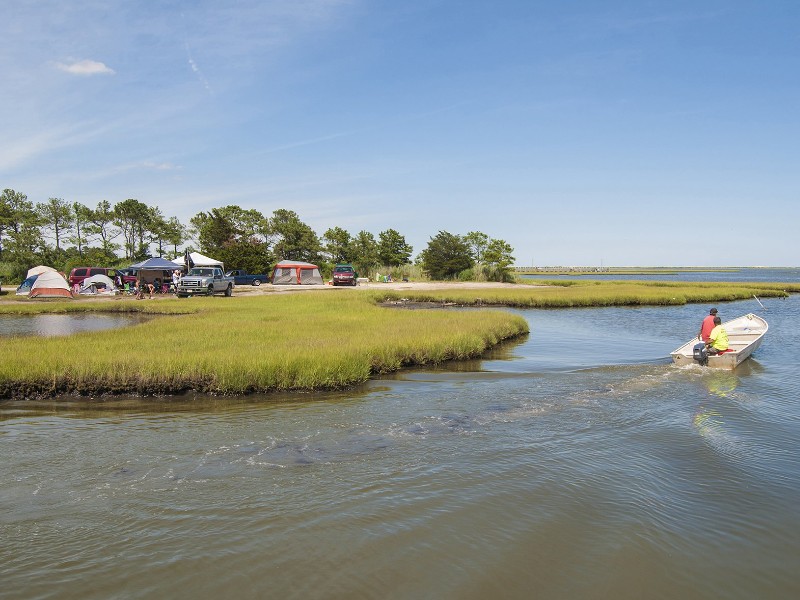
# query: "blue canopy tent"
{"type": "Point", "coordinates": [155, 264]}
{"type": "Point", "coordinates": [152, 269]}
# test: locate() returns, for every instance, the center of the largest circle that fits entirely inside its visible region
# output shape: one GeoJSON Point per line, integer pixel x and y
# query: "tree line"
{"type": "Point", "coordinates": [63, 235]}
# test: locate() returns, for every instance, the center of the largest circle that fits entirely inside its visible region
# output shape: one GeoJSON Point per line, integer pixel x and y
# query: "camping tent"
{"type": "Point", "coordinates": [292, 272]}
{"type": "Point", "coordinates": [154, 268]}
{"type": "Point", "coordinates": [154, 264]}
{"type": "Point", "coordinates": [198, 260]}
{"type": "Point", "coordinates": [25, 287]}
{"type": "Point", "coordinates": [201, 260]}
{"type": "Point", "coordinates": [50, 284]}
{"type": "Point", "coordinates": [98, 284]}
{"type": "Point", "coordinates": [39, 270]}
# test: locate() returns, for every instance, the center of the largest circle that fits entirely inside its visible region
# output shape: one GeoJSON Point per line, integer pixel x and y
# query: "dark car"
{"type": "Point", "coordinates": [242, 277]}
{"type": "Point", "coordinates": [344, 275]}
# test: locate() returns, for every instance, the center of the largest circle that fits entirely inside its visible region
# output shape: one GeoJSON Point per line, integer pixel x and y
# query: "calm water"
{"type": "Point", "coordinates": [55, 325]}
{"type": "Point", "coordinates": [577, 463]}
{"type": "Point", "coordinates": [747, 275]}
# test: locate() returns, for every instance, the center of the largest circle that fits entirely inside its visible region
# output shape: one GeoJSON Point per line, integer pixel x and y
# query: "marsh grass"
{"type": "Point", "coordinates": [250, 344]}
{"type": "Point", "coordinates": [570, 294]}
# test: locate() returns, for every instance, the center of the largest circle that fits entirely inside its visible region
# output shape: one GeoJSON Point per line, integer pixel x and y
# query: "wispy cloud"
{"type": "Point", "coordinates": [145, 165]}
{"type": "Point", "coordinates": [85, 68]}
{"type": "Point", "coordinates": [21, 146]}
{"type": "Point", "coordinates": [16, 153]}
{"type": "Point", "coordinates": [195, 69]}
{"type": "Point", "coordinates": [164, 166]}
{"type": "Point", "coordinates": [112, 171]}
{"type": "Point", "coordinates": [308, 142]}
{"type": "Point", "coordinates": [655, 20]}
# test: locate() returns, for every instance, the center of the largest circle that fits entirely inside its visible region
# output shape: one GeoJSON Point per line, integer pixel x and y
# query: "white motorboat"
{"type": "Point", "coordinates": [745, 334]}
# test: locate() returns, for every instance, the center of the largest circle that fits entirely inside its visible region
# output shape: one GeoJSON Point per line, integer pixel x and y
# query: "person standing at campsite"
{"type": "Point", "coordinates": [718, 338]}
{"type": "Point", "coordinates": [138, 289]}
{"type": "Point", "coordinates": [707, 325]}
{"type": "Point", "coordinates": [176, 277]}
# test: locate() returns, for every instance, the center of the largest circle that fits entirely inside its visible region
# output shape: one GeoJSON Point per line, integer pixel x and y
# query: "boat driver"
{"type": "Point", "coordinates": [707, 326]}
{"type": "Point", "coordinates": [718, 338]}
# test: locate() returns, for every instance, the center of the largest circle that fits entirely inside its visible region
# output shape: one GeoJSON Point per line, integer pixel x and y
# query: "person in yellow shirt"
{"type": "Point", "coordinates": [718, 338]}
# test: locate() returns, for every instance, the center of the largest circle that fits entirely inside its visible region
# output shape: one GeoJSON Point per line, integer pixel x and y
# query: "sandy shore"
{"type": "Point", "coordinates": [395, 285]}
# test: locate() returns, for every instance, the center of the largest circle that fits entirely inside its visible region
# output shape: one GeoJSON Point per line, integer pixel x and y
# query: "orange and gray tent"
{"type": "Point", "coordinates": [292, 272]}
{"type": "Point", "coordinates": [50, 284]}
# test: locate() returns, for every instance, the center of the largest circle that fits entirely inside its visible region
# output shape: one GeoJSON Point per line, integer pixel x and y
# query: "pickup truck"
{"type": "Point", "coordinates": [205, 280]}
{"type": "Point", "coordinates": [241, 277]}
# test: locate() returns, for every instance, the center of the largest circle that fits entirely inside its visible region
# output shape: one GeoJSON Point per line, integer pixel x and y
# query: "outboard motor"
{"type": "Point", "coordinates": [700, 353]}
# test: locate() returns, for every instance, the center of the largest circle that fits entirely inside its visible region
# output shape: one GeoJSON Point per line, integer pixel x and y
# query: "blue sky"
{"type": "Point", "coordinates": [582, 132]}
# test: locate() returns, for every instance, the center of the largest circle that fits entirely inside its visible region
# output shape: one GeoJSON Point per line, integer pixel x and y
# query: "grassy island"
{"type": "Point", "coordinates": [270, 342]}
{"type": "Point", "coordinates": [588, 293]}
{"type": "Point", "coordinates": [322, 339]}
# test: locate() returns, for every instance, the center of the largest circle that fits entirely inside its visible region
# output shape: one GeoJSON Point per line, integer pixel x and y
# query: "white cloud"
{"type": "Point", "coordinates": [85, 67]}
{"type": "Point", "coordinates": [163, 166]}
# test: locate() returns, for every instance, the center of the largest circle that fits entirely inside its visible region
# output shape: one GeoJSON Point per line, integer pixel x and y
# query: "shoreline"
{"type": "Point", "coordinates": [300, 339]}
{"type": "Point", "coordinates": [261, 342]}
{"type": "Point", "coordinates": [9, 297]}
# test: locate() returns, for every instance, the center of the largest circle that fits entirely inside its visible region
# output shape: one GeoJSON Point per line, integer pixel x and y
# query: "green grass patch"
{"type": "Point", "coordinates": [304, 341]}
{"type": "Point", "coordinates": [570, 294]}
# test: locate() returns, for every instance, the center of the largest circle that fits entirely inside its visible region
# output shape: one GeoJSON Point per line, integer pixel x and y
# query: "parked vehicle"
{"type": "Point", "coordinates": [78, 274]}
{"type": "Point", "coordinates": [205, 280]}
{"type": "Point", "coordinates": [128, 275]}
{"type": "Point", "coordinates": [241, 277]}
{"type": "Point", "coordinates": [344, 275]}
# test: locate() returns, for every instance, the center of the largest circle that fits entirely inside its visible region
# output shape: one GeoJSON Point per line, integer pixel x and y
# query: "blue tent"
{"type": "Point", "coordinates": [155, 264]}
{"type": "Point", "coordinates": [24, 288]}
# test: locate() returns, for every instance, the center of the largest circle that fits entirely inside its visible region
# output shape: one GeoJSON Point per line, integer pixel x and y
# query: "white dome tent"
{"type": "Point", "coordinates": [98, 284]}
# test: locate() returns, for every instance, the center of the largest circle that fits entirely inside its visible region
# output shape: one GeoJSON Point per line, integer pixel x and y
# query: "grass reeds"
{"type": "Point", "coordinates": [570, 294]}
{"type": "Point", "coordinates": [248, 344]}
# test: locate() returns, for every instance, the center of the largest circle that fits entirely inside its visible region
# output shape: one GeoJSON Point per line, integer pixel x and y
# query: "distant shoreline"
{"type": "Point", "coordinates": [634, 270]}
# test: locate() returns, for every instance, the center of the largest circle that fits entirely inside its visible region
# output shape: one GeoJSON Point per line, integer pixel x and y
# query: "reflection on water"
{"type": "Point", "coordinates": [721, 383]}
{"type": "Point", "coordinates": [553, 470]}
{"type": "Point", "coordinates": [56, 325]}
